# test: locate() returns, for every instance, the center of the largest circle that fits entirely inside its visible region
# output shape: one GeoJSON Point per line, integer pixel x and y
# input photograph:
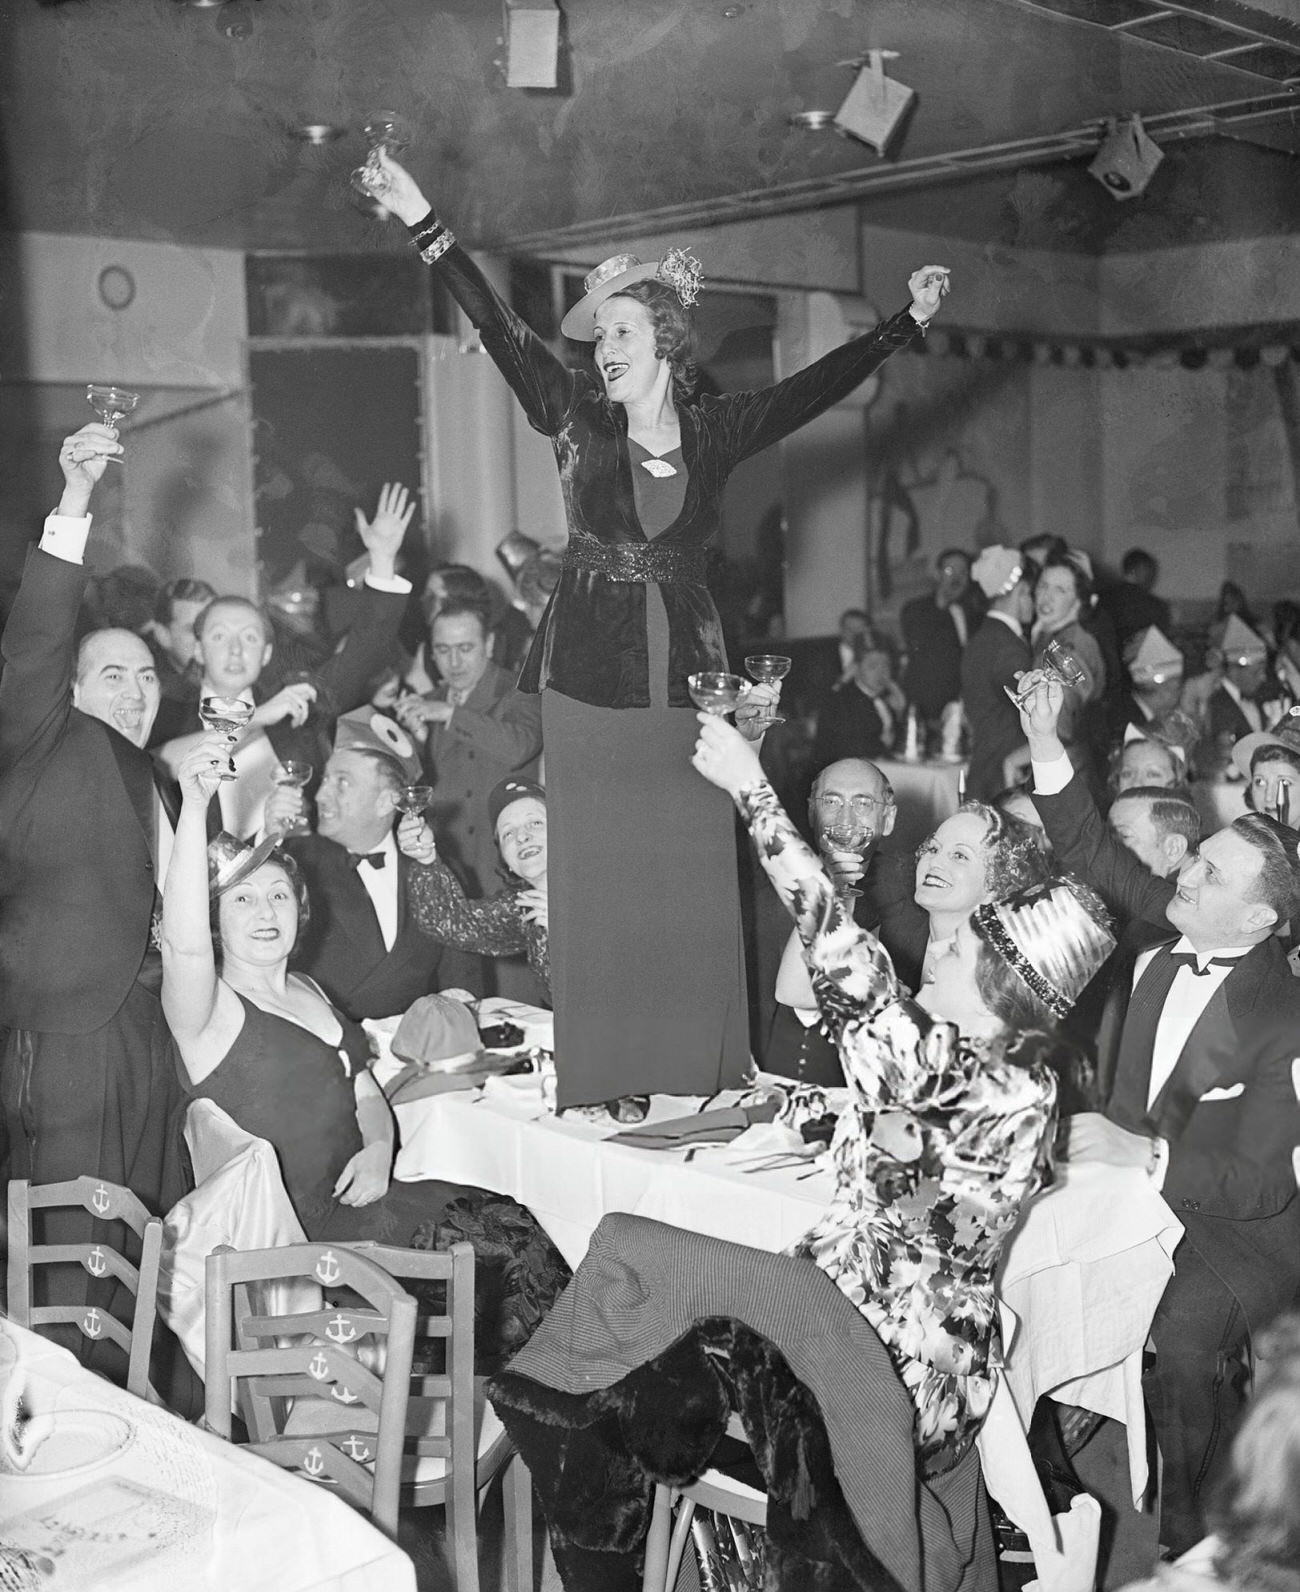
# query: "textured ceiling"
{"type": "Point", "coordinates": [148, 119]}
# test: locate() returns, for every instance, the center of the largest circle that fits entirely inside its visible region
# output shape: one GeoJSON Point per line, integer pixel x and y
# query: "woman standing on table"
{"type": "Point", "coordinates": [647, 964]}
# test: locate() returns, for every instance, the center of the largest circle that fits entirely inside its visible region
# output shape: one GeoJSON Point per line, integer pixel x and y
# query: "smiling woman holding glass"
{"type": "Point", "coordinates": [647, 963]}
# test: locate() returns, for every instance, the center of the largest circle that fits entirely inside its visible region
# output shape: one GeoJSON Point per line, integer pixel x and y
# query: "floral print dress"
{"type": "Point", "coordinates": [941, 1143]}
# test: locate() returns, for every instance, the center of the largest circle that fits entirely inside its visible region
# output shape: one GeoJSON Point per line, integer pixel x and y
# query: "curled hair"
{"type": "Point", "coordinates": [1274, 752]}
{"type": "Point", "coordinates": [1256, 1515]}
{"type": "Point", "coordinates": [1278, 885]}
{"type": "Point", "coordinates": [462, 584]}
{"type": "Point", "coordinates": [1013, 855]}
{"type": "Point", "coordinates": [288, 866]}
{"type": "Point", "coordinates": [674, 331]}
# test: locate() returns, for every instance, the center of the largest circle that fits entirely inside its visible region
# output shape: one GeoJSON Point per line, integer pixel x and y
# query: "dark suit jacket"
{"type": "Point", "coordinates": [342, 682]}
{"type": "Point", "coordinates": [993, 656]}
{"type": "Point", "coordinates": [848, 725]}
{"type": "Point", "coordinates": [932, 676]}
{"type": "Point", "coordinates": [1223, 717]}
{"type": "Point", "coordinates": [497, 731]}
{"type": "Point", "coordinates": [1230, 1157]}
{"type": "Point", "coordinates": [342, 948]}
{"type": "Point", "coordinates": [77, 817]}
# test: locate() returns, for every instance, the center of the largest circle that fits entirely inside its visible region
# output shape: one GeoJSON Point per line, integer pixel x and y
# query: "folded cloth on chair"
{"type": "Point", "coordinates": [718, 1125]}
{"type": "Point", "coordinates": [644, 1286]}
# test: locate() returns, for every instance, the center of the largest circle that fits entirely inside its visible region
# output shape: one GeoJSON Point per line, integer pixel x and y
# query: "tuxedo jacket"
{"type": "Point", "coordinates": [342, 682]}
{"type": "Point", "coordinates": [848, 725]}
{"type": "Point", "coordinates": [932, 676]}
{"type": "Point", "coordinates": [342, 948]}
{"type": "Point", "coordinates": [77, 821]}
{"type": "Point", "coordinates": [993, 657]}
{"type": "Point", "coordinates": [495, 732]}
{"type": "Point", "coordinates": [1230, 1109]}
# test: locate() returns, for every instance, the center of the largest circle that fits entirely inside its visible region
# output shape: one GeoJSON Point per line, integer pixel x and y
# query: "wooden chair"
{"type": "Point", "coordinates": [456, 1445]}
{"type": "Point", "coordinates": [309, 1399]}
{"type": "Point", "coordinates": [667, 1537]}
{"type": "Point", "coordinates": [109, 1203]}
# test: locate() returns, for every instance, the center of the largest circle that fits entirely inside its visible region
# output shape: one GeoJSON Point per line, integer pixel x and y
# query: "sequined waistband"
{"type": "Point", "coordinates": [643, 561]}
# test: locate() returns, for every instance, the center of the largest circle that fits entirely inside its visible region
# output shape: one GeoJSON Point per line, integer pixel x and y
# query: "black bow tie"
{"type": "Point", "coordinates": [374, 858]}
{"type": "Point", "coordinates": [1190, 959]}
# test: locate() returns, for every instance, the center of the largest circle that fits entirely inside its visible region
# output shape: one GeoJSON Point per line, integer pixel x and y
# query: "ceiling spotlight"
{"type": "Point", "coordinates": [1127, 159]}
{"type": "Point", "coordinates": [875, 106]}
{"type": "Point", "coordinates": [317, 134]}
{"type": "Point", "coordinates": [204, 5]}
{"type": "Point", "coordinates": [812, 121]}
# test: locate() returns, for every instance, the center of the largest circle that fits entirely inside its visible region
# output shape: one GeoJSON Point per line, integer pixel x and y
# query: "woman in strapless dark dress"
{"type": "Point", "coordinates": [265, 1044]}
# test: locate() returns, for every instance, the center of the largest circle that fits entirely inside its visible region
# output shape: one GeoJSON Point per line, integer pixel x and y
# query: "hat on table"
{"type": "Point", "coordinates": [364, 730]}
{"type": "Point", "coordinates": [1052, 937]}
{"type": "Point", "coordinates": [515, 788]}
{"type": "Point", "coordinates": [679, 270]}
{"type": "Point", "coordinates": [1238, 642]}
{"type": "Point", "coordinates": [1152, 658]}
{"type": "Point", "coordinates": [1285, 735]}
{"type": "Point", "coordinates": [997, 570]}
{"type": "Point", "coordinates": [438, 1032]}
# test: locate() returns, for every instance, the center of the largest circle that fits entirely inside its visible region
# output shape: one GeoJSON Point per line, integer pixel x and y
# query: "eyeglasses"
{"type": "Point", "coordinates": [866, 805]}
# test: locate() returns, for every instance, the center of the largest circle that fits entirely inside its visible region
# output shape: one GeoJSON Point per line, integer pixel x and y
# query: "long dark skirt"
{"type": "Point", "coordinates": [647, 960]}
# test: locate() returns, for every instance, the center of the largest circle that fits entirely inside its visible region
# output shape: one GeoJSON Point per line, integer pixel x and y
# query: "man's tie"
{"type": "Point", "coordinates": [374, 858]}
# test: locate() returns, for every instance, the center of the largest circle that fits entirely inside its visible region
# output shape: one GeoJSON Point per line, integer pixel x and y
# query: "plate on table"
{"type": "Point", "coordinates": [67, 1443]}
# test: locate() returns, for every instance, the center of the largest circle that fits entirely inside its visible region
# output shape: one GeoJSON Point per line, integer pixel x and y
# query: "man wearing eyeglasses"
{"type": "Point", "coordinates": [851, 794]}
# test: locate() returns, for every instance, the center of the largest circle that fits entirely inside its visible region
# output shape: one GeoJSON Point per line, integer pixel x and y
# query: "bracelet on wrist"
{"type": "Point", "coordinates": [435, 250]}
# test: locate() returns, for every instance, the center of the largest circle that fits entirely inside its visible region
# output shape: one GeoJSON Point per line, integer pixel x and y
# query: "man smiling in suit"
{"type": "Point", "coordinates": [1197, 1061]}
{"type": "Point", "coordinates": [361, 946]}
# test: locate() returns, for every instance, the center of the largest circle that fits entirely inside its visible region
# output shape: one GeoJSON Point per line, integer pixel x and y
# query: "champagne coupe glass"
{"type": "Point", "coordinates": [111, 404]}
{"type": "Point", "coordinates": [715, 692]}
{"type": "Point", "coordinates": [294, 775]}
{"type": "Point", "coordinates": [767, 668]}
{"type": "Point", "coordinates": [848, 833]}
{"type": "Point", "coordinates": [413, 799]}
{"type": "Point", "coordinates": [386, 133]}
{"type": "Point", "coordinates": [228, 714]}
{"type": "Point", "coordinates": [1060, 665]}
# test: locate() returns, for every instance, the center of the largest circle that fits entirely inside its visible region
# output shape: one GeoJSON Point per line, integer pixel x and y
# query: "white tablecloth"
{"type": "Point", "coordinates": [926, 794]}
{"type": "Point", "coordinates": [176, 1507]}
{"type": "Point", "coordinates": [1080, 1283]}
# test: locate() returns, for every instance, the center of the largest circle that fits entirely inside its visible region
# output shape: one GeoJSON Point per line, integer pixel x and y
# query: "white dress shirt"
{"type": "Point", "coordinates": [1189, 995]}
{"type": "Point", "coordinates": [381, 887]}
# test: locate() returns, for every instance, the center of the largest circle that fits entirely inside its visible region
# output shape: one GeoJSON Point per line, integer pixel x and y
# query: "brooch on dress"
{"type": "Point", "coordinates": [659, 468]}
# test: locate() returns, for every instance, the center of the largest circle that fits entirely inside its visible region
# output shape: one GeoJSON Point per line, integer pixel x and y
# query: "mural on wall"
{"type": "Point", "coordinates": [948, 452]}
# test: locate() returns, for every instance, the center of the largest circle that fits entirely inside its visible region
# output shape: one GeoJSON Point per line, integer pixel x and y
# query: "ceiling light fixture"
{"type": "Point", "coordinates": [1126, 159]}
{"type": "Point", "coordinates": [876, 105]}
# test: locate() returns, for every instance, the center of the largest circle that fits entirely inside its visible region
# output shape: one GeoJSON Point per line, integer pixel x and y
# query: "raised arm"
{"type": "Point", "coordinates": [543, 384]}
{"type": "Point", "coordinates": [493, 926]}
{"type": "Point", "coordinates": [203, 1015]}
{"type": "Point", "coordinates": [755, 420]}
{"type": "Point", "coordinates": [1081, 839]}
{"type": "Point", "coordinates": [851, 971]}
{"type": "Point", "coordinates": [39, 643]}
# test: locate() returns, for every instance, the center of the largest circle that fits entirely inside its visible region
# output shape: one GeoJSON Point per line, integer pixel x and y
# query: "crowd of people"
{"type": "Point", "coordinates": [1069, 968]}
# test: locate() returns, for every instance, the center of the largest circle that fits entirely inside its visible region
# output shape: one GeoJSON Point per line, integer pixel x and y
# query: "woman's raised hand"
{"type": "Point", "coordinates": [402, 196]}
{"type": "Point", "coordinates": [415, 839]}
{"type": "Point", "coordinates": [725, 757]}
{"type": "Point", "coordinates": [199, 771]}
{"type": "Point", "coordinates": [927, 286]}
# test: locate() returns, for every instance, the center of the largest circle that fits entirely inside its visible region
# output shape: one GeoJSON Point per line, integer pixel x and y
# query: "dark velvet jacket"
{"type": "Point", "coordinates": [591, 644]}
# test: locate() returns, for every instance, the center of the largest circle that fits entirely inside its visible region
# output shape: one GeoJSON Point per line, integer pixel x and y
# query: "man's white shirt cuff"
{"type": "Point", "coordinates": [1051, 778]}
{"type": "Point", "coordinates": [65, 536]}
